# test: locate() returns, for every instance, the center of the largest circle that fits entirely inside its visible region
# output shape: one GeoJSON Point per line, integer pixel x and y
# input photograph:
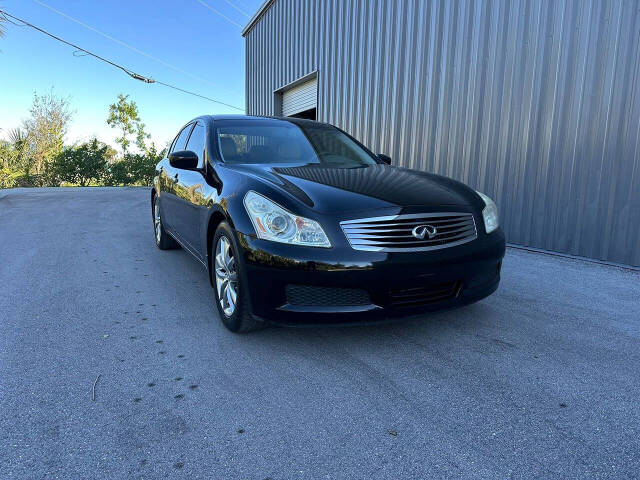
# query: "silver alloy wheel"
{"type": "Point", "coordinates": [156, 221]}
{"type": "Point", "coordinates": [226, 276]}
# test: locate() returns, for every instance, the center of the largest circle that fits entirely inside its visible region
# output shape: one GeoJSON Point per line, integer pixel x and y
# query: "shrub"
{"type": "Point", "coordinates": [117, 174]}
{"type": "Point", "coordinates": [80, 165]}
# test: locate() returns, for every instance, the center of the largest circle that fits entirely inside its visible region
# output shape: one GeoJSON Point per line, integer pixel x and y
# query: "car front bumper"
{"type": "Point", "coordinates": [397, 285]}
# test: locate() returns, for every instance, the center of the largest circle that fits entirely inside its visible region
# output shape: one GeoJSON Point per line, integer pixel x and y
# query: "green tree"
{"type": "Point", "coordinates": [17, 136]}
{"type": "Point", "coordinates": [111, 155]}
{"type": "Point", "coordinates": [142, 167]}
{"type": "Point", "coordinates": [8, 157]}
{"type": "Point", "coordinates": [45, 130]}
{"type": "Point", "coordinates": [18, 140]}
{"type": "Point", "coordinates": [117, 174]}
{"type": "Point", "coordinates": [14, 160]}
{"type": "Point", "coordinates": [81, 165]}
{"type": "Point", "coordinates": [134, 168]}
{"type": "Point", "coordinates": [124, 116]}
{"type": "Point", "coordinates": [7, 154]}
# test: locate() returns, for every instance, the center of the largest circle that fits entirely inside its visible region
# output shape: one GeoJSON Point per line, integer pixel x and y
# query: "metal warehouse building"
{"type": "Point", "coordinates": [536, 103]}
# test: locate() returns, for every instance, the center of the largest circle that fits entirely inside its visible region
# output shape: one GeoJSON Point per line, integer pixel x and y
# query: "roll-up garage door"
{"type": "Point", "coordinates": [300, 98]}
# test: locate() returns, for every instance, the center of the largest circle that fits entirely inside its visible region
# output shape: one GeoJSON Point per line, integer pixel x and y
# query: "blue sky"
{"type": "Point", "coordinates": [205, 51]}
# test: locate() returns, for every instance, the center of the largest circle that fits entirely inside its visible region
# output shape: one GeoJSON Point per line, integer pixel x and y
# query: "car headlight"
{"type": "Point", "coordinates": [272, 222]}
{"type": "Point", "coordinates": [489, 213]}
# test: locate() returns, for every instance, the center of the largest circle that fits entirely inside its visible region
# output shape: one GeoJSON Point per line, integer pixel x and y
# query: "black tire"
{"type": "Point", "coordinates": [241, 319]}
{"type": "Point", "coordinates": [164, 241]}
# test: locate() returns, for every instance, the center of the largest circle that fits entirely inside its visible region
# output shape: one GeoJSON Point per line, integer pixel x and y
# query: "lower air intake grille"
{"type": "Point", "coordinates": [424, 295]}
{"type": "Point", "coordinates": [411, 232]}
{"type": "Point", "coordinates": [326, 296]}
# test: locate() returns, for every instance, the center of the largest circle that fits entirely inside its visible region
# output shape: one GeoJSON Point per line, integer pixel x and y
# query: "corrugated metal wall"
{"type": "Point", "coordinates": [536, 103]}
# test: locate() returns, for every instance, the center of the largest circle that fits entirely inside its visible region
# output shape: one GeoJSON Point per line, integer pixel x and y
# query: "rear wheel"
{"type": "Point", "coordinates": [231, 297]}
{"type": "Point", "coordinates": [163, 240]}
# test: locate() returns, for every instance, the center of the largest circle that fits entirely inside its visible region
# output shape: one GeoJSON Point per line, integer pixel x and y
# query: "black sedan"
{"type": "Point", "coordinates": [298, 223]}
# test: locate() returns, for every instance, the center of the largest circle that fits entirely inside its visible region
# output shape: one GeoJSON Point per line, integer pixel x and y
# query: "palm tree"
{"type": "Point", "coordinates": [17, 136]}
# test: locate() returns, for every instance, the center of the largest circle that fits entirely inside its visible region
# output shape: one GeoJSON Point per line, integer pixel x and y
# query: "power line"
{"type": "Point", "coordinates": [129, 72]}
{"type": "Point", "coordinates": [120, 42]}
{"type": "Point", "coordinates": [206, 5]}
{"type": "Point", "coordinates": [243, 4]}
{"type": "Point", "coordinates": [238, 8]}
{"type": "Point", "coordinates": [197, 95]}
{"type": "Point", "coordinates": [27, 24]}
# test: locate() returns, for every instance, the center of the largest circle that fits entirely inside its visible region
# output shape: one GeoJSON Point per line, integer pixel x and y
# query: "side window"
{"type": "Point", "coordinates": [181, 141]}
{"type": "Point", "coordinates": [197, 141]}
{"type": "Point", "coordinates": [173, 144]}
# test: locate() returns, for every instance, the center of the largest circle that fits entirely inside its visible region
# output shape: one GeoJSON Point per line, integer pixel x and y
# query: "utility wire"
{"type": "Point", "coordinates": [242, 4]}
{"type": "Point", "coordinates": [120, 42]}
{"type": "Point", "coordinates": [198, 95]}
{"type": "Point", "coordinates": [238, 9]}
{"type": "Point", "coordinates": [27, 24]}
{"type": "Point", "coordinates": [129, 72]}
{"type": "Point", "coordinates": [206, 5]}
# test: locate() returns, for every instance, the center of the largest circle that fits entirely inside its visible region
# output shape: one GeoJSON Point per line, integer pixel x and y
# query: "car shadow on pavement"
{"type": "Point", "coordinates": [425, 329]}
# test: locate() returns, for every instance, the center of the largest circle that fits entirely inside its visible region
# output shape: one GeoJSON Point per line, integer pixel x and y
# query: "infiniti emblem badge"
{"type": "Point", "coordinates": [422, 231]}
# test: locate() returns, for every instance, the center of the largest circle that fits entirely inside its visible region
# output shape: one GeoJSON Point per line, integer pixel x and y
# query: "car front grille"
{"type": "Point", "coordinates": [326, 296]}
{"type": "Point", "coordinates": [394, 233]}
{"type": "Point", "coordinates": [424, 295]}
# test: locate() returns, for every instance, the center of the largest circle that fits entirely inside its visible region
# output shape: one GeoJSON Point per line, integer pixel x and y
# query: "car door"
{"type": "Point", "coordinates": [190, 203]}
{"type": "Point", "coordinates": [168, 200]}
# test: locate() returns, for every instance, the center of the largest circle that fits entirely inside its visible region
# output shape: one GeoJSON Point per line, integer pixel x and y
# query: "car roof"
{"type": "Point", "coordinates": [300, 121]}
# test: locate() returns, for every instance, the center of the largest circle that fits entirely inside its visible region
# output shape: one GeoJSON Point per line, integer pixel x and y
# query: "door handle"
{"type": "Point", "coordinates": [175, 178]}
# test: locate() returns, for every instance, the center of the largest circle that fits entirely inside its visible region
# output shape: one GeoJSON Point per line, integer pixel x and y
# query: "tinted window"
{"type": "Point", "coordinates": [173, 142]}
{"type": "Point", "coordinates": [288, 143]}
{"type": "Point", "coordinates": [181, 141]}
{"type": "Point", "coordinates": [197, 140]}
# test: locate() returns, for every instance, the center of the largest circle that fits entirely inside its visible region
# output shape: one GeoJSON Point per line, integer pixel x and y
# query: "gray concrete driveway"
{"type": "Point", "coordinates": [540, 380]}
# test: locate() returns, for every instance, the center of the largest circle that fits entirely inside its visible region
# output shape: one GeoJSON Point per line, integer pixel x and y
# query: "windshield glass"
{"type": "Point", "coordinates": [281, 142]}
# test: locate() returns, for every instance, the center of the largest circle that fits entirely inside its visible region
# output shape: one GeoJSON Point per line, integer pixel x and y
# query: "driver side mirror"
{"type": "Point", "coordinates": [385, 158]}
{"type": "Point", "coordinates": [184, 159]}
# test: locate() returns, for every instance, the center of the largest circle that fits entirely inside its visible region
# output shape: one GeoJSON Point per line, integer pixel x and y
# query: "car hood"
{"type": "Point", "coordinates": [327, 189]}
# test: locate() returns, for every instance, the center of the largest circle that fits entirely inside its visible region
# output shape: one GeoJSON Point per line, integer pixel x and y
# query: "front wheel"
{"type": "Point", "coordinates": [231, 297]}
{"type": "Point", "coordinates": [163, 240]}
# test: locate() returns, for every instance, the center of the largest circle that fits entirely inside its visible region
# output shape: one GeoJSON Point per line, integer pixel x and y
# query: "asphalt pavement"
{"type": "Point", "coordinates": [540, 380]}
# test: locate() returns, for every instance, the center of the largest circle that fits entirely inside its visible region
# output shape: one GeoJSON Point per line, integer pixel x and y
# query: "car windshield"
{"type": "Point", "coordinates": [287, 143]}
